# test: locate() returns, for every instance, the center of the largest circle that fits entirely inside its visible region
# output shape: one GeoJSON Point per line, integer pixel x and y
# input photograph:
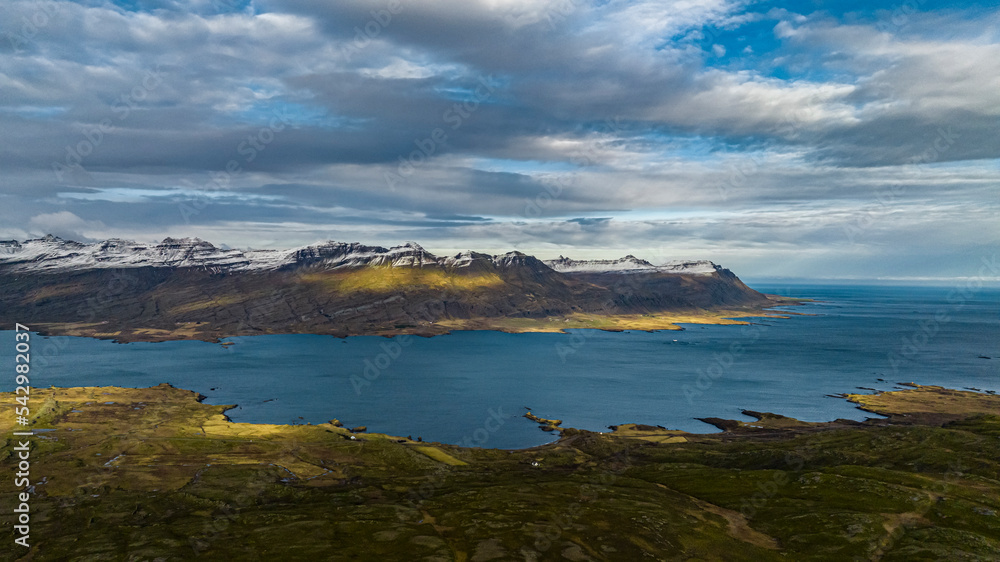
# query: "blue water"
{"type": "Point", "coordinates": [472, 387]}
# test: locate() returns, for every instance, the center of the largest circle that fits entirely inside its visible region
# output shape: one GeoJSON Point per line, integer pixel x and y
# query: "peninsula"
{"type": "Point", "coordinates": [191, 289]}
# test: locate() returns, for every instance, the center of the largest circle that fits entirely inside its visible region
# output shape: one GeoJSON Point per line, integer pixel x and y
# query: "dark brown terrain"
{"type": "Point", "coordinates": [413, 292]}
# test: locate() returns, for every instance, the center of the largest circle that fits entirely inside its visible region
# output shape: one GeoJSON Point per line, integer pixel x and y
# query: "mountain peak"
{"type": "Point", "coordinates": [186, 242]}
{"type": "Point", "coordinates": [631, 265]}
{"type": "Point", "coordinates": [515, 258]}
{"type": "Point", "coordinates": [53, 254]}
{"type": "Point", "coordinates": [9, 246]}
{"type": "Point", "coordinates": [627, 264]}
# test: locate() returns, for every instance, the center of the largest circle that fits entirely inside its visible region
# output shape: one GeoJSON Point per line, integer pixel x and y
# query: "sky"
{"type": "Point", "coordinates": [825, 140]}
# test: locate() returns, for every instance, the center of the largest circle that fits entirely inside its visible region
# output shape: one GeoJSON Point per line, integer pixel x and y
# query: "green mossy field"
{"type": "Point", "coordinates": [153, 474]}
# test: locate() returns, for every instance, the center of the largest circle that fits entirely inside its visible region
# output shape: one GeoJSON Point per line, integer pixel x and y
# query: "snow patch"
{"type": "Point", "coordinates": [631, 265]}
{"type": "Point", "coordinates": [51, 254]}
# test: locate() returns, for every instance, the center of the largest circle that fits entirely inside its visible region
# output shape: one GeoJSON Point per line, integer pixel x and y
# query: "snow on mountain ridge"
{"type": "Point", "coordinates": [467, 259]}
{"type": "Point", "coordinates": [9, 247]}
{"type": "Point", "coordinates": [697, 267]}
{"type": "Point", "coordinates": [51, 254]}
{"type": "Point", "coordinates": [631, 265]}
{"type": "Point", "coordinates": [628, 264]}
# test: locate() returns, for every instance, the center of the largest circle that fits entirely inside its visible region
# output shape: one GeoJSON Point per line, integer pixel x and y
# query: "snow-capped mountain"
{"type": "Point", "coordinates": [631, 265]}
{"type": "Point", "coordinates": [51, 255]}
{"type": "Point", "coordinates": [189, 288]}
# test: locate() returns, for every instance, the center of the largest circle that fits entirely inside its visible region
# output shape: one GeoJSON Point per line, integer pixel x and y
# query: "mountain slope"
{"type": "Point", "coordinates": [188, 288]}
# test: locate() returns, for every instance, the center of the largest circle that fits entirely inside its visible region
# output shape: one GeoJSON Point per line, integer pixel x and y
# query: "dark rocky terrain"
{"type": "Point", "coordinates": [191, 289]}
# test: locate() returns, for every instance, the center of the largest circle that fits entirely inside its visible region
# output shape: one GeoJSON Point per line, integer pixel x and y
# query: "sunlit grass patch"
{"type": "Point", "coordinates": [440, 456]}
{"type": "Point", "coordinates": [225, 300]}
{"type": "Point", "coordinates": [385, 279]}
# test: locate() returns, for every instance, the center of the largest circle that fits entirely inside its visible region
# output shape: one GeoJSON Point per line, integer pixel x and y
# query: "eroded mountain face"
{"type": "Point", "coordinates": [333, 287]}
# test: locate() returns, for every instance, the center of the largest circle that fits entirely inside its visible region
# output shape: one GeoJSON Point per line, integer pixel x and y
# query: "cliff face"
{"type": "Point", "coordinates": [332, 288]}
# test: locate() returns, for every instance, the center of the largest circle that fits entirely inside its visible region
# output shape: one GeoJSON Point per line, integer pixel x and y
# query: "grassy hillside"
{"type": "Point", "coordinates": [160, 303]}
{"type": "Point", "coordinates": [153, 474]}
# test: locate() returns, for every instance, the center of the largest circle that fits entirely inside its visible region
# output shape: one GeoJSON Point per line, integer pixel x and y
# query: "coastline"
{"type": "Point", "coordinates": [913, 405]}
{"type": "Point", "coordinates": [185, 482]}
{"type": "Point", "coordinates": [666, 320]}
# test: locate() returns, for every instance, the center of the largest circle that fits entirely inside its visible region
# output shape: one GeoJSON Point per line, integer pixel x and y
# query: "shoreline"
{"type": "Point", "coordinates": [161, 465]}
{"type": "Point", "coordinates": [932, 403]}
{"type": "Point", "coordinates": [652, 322]}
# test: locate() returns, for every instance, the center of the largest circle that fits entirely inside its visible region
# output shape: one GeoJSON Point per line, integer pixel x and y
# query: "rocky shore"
{"type": "Point", "coordinates": [179, 480]}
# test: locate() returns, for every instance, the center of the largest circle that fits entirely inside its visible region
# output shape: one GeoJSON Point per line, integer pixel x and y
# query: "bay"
{"type": "Point", "coordinates": [472, 388]}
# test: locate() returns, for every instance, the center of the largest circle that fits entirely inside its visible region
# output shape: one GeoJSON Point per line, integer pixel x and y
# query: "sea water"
{"type": "Point", "coordinates": [473, 387]}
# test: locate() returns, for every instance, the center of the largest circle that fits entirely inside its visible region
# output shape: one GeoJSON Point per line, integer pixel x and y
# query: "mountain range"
{"type": "Point", "coordinates": [190, 288]}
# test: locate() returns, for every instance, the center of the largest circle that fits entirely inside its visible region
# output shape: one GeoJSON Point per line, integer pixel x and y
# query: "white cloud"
{"type": "Point", "coordinates": [798, 137]}
{"type": "Point", "coordinates": [65, 225]}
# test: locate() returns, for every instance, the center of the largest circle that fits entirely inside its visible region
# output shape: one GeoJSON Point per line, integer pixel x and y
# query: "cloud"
{"type": "Point", "coordinates": [591, 222]}
{"type": "Point", "coordinates": [65, 224]}
{"type": "Point", "coordinates": [288, 117]}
